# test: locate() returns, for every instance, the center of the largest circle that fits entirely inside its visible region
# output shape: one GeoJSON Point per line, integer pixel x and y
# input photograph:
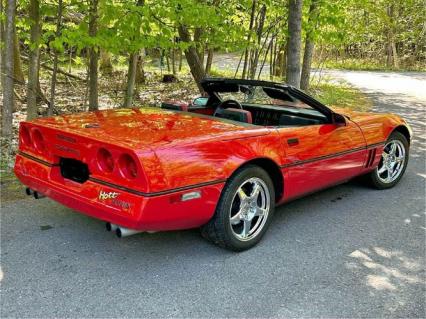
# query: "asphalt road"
{"type": "Point", "coordinates": [349, 251]}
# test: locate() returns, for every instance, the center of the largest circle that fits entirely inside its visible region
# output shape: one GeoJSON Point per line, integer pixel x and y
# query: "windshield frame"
{"type": "Point", "coordinates": [214, 86]}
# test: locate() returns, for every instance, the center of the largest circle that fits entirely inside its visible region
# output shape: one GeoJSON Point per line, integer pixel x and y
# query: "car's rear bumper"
{"type": "Point", "coordinates": [150, 213]}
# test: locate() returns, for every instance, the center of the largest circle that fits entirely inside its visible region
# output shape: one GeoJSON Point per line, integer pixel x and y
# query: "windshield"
{"type": "Point", "coordinates": [258, 95]}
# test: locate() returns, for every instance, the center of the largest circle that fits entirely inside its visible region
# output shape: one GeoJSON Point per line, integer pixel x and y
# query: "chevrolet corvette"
{"type": "Point", "coordinates": [221, 163]}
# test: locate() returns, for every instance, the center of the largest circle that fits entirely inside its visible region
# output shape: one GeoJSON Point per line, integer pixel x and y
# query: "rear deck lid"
{"type": "Point", "coordinates": [148, 127]}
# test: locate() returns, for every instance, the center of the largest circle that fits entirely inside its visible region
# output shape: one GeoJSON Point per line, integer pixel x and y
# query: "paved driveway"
{"type": "Point", "coordinates": [345, 252]}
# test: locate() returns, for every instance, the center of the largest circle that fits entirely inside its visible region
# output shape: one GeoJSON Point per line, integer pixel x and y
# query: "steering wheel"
{"type": "Point", "coordinates": [227, 104]}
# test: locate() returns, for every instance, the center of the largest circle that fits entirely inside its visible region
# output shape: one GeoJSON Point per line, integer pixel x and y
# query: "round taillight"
{"type": "Point", "coordinates": [128, 167]}
{"type": "Point", "coordinates": [105, 160]}
{"type": "Point", "coordinates": [38, 140]}
{"type": "Point", "coordinates": [25, 136]}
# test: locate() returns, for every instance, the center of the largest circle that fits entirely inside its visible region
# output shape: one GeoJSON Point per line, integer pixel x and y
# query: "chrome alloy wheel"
{"type": "Point", "coordinates": [392, 162]}
{"type": "Point", "coordinates": [250, 208]}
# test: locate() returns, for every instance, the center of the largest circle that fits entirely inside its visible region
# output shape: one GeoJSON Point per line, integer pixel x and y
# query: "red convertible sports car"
{"type": "Point", "coordinates": [221, 163]}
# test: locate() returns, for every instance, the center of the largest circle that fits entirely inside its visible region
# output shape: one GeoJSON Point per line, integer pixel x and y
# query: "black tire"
{"type": "Point", "coordinates": [219, 229]}
{"type": "Point", "coordinates": [373, 177]}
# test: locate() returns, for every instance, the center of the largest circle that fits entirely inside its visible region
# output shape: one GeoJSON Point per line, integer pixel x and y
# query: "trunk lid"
{"type": "Point", "coordinates": [148, 127]}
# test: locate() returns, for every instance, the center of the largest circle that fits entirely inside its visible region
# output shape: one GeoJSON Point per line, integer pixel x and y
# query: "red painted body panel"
{"type": "Point", "coordinates": [313, 163]}
{"type": "Point", "coordinates": [376, 127]}
{"type": "Point", "coordinates": [178, 152]}
{"type": "Point", "coordinates": [156, 213]}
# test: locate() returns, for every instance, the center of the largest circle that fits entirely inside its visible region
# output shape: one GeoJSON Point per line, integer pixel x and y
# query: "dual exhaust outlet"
{"type": "Point", "coordinates": [121, 231]}
{"type": "Point", "coordinates": [34, 193]}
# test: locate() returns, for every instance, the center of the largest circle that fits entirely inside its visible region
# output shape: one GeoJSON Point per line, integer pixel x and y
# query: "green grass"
{"type": "Point", "coordinates": [10, 187]}
{"type": "Point", "coordinates": [341, 95]}
{"type": "Point", "coordinates": [368, 65]}
{"type": "Point", "coordinates": [216, 73]}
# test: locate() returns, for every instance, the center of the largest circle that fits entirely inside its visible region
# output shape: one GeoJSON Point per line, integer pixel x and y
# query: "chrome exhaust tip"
{"type": "Point", "coordinates": [124, 232]}
{"type": "Point", "coordinates": [29, 191]}
{"type": "Point", "coordinates": [110, 227]}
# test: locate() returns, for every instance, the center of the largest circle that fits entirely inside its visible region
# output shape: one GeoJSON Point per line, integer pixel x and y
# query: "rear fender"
{"type": "Point", "coordinates": [212, 161]}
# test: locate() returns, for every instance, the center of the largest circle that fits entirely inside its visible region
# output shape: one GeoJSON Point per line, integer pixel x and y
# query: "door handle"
{"type": "Point", "coordinates": [293, 141]}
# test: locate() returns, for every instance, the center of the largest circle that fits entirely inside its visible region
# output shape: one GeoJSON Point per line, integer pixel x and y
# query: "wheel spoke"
{"type": "Point", "coordinates": [382, 169]}
{"type": "Point", "coordinates": [392, 163]}
{"type": "Point", "coordinates": [243, 196]}
{"type": "Point", "coordinates": [260, 212]}
{"type": "Point", "coordinates": [246, 228]}
{"type": "Point", "coordinates": [256, 190]}
{"type": "Point", "coordinates": [399, 159]}
{"type": "Point", "coordinates": [236, 219]}
{"type": "Point", "coordinates": [390, 174]}
{"type": "Point", "coordinates": [249, 210]}
{"type": "Point", "coordinates": [392, 149]}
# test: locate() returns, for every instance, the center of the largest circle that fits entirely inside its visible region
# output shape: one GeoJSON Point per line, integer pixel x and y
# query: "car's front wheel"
{"type": "Point", "coordinates": [393, 162]}
{"type": "Point", "coordinates": [244, 210]}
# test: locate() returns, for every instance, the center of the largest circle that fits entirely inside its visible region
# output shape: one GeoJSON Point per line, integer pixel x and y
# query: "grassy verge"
{"type": "Point", "coordinates": [10, 188]}
{"type": "Point", "coordinates": [369, 65]}
{"type": "Point", "coordinates": [341, 95]}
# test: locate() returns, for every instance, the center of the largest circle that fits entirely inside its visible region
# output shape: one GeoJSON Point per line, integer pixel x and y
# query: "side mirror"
{"type": "Point", "coordinates": [200, 101]}
{"type": "Point", "coordinates": [339, 119]}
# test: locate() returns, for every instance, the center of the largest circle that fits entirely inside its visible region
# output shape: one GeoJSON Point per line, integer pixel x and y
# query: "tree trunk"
{"type": "Point", "coordinates": [238, 65]}
{"type": "Point", "coordinates": [8, 95]}
{"type": "Point", "coordinates": [180, 60]}
{"type": "Point", "coordinates": [209, 60]}
{"type": "Point", "coordinates": [281, 59]}
{"type": "Point", "coordinates": [201, 54]}
{"type": "Point", "coordinates": [140, 73]}
{"type": "Point", "coordinates": [2, 34]}
{"type": "Point", "coordinates": [93, 58]}
{"type": "Point", "coordinates": [197, 69]}
{"type": "Point", "coordinates": [274, 58]}
{"type": "Point", "coordinates": [198, 32]}
{"type": "Point", "coordinates": [33, 66]}
{"type": "Point", "coordinates": [55, 61]}
{"type": "Point", "coordinates": [307, 62]}
{"type": "Point", "coordinates": [173, 61]}
{"type": "Point", "coordinates": [294, 42]}
{"type": "Point", "coordinates": [131, 76]}
{"type": "Point", "coordinates": [259, 31]}
{"type": "Point", "coordinates": [391, 38]}
{"type": "Point", "coordinates": [17, 68]}
{"type": "Point", "coordinates": [246, 53]}
{"type": "Point", "coordinates": [105, 64]}
{"type": "Point", "coordinates": [264, 58]}
{"type": "Point", "coordinates": [271, 59]}
{"type": "Point", "coordinates": [140, 54]}
{"type": "Point", "coordinates": [168, 61]}
{"type": "Point", "coordinates": [394, 54]}
{"type": "Point", "coordinates": [309, 47]}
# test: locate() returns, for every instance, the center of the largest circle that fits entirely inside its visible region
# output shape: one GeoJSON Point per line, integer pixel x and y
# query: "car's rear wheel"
{"type": "Point", "coordinates": [392, 164]}
{"type": "Point", "coordinates": [244, 210]}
